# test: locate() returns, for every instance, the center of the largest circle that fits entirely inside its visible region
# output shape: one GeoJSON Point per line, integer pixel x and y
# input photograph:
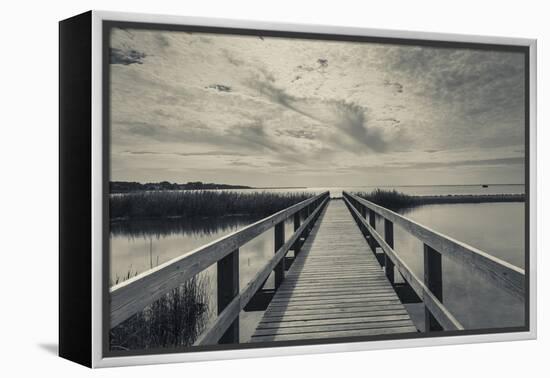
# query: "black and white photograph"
{"type": "Point", "coordinates": [215, 188]}
{"type": "Point", "coordinates": [268, 189]}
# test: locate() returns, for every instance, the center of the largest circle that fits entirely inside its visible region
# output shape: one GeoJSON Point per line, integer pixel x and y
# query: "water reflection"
{"type": "Point", "coordinates": [197, 227]}
{"type": "Point", "coordinates": [496, 228]}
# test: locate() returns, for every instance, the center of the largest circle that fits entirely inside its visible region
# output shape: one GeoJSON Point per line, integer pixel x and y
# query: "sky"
{"type": "Point", "coordinates": [265, 111]}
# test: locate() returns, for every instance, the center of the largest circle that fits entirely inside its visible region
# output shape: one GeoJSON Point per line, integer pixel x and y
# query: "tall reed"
{"type": "Point", "coordinates": [176, 319]}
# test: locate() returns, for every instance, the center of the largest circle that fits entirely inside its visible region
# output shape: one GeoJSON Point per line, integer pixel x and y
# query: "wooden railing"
{"type": "Point", "coordinates": [133, 295]}
{"type": "Point", "coordinates": [429, 290]}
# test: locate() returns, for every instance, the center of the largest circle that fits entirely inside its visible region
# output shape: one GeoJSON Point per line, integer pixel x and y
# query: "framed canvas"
{"type": "Point", "coordinates": [236, 188]}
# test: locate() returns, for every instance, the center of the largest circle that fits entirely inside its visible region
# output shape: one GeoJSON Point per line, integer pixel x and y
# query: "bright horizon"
{"type": "Point", "coordinates": [278, 112]}
{"type": "Point", "coordinates": [333, 186]}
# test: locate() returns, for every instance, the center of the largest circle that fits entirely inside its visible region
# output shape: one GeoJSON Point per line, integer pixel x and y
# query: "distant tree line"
{"type": "Point", "coordinates": [128, 187]}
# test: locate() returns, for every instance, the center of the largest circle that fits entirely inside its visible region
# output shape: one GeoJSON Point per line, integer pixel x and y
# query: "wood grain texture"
{"type": "Point", "coordinates": [335, 288]}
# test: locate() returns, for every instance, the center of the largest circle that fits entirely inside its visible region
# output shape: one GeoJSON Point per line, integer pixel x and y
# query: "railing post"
{"type": "Point", "coordinates": [372, 219]}
{"type": "Point", "coordinates": [362, 209]}
{"type": "Point", "coordinates": [279, 241]}
{"type": "Point", "coordinates": [308, 213]}
{"type": "Point", "coordinates": [297, 223]}
{"type": "Point", "coordinates": [372, 223]}
{"type": "Point", "coordinates": [388, 237]}
{"type": "Point", "coordinates": [228, 288]}
{"type": "Point", "coordinates": [434, 282]}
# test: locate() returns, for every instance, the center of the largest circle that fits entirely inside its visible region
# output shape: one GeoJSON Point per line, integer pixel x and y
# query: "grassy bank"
{"type": "Point", "coordinates": [177, 319]}
{"type": "Point", "coordinates": [188, 204]}
{"type": "Point", "coordinates": [395, 200]}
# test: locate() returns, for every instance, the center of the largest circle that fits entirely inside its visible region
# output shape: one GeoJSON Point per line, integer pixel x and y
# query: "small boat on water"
{"type": "Point", "coordinates": [484, 186]}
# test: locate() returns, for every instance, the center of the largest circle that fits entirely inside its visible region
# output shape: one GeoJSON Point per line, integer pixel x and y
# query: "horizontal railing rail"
{"type": "Point", "coordinates": [503, 274]}
{"type": "Point", "coordinates": [133, 295]}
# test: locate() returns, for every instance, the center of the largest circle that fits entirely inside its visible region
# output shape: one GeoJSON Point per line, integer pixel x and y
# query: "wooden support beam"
{"type": "Point", "coordinates": [279, 241]}
{"type": "Point", "coordinates": [228, 288]}
{"type": "Point", "coordinates": [433, 280]}
{"type": "Point", "coordinates": [372, 242]}
{"type": "Point", "coordinates": [388, 237]}
{"type": "Point", "coordinates": [372, 219]}
{"type": "Point", "coordinates": [298, 244]}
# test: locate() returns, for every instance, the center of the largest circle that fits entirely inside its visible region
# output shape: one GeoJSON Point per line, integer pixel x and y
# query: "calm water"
{"type": "Point", "coordinates": [496, 228]}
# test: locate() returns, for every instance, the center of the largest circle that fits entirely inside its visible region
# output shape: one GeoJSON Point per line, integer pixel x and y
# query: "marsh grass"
{"type": "Point", "coordinates": [203, 203]}
{"type": "Point", "coordinates": [163, 227]}
{"type": "Point", "coordinates": [395, 200]}
{"type": "Point", "coordinates": [176, 319]}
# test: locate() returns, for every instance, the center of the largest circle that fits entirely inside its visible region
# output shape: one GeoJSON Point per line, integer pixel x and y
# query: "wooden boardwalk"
{"type": "Point", "coordinates": [334, 288]}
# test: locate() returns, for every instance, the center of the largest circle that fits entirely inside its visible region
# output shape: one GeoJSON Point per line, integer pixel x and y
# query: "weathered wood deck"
{"type": "Point", "coordinates": [334, 288]}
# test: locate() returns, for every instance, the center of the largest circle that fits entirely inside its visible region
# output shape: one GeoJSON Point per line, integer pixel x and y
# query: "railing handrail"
{"type": "Point", "coordinates": [133, 295]}
{"type": "Point", "coordinates": [505, 275]}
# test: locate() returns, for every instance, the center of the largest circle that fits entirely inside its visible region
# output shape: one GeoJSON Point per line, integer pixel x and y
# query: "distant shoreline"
{"type": "Point", "coordinates": [117, 187]}
{"type": "Point", "coordinates": [395, 200]}
{"type": "Point", "coordinates": [471, 198]}
{"type": "Point", "coordinates": [132, 186]}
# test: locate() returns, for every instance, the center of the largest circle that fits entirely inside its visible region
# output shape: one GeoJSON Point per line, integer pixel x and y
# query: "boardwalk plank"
{"type": "Point", "coordinates": [337, 334]}
{"type": "Point", "coordinates": [338, 310]}
{"type": "Point", "coordinates": [334, 321]}
{"type": "Point", "coordinates": [334, 327]}
{"type": "Point", "coordinates": [330, 315]}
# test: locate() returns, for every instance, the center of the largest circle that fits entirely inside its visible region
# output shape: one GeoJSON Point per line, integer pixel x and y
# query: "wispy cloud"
{"type": "Point", "coordinates": [205, 153]}
{"type": "Point", "coordinates": [348, 118]}
{"type": "Point", "coordinates": [126, 57]}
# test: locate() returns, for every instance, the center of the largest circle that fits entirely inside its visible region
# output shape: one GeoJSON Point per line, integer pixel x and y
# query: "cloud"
{"type": "Point", "coordinates": [471, 81]}
{"type": "Point", "coordinates": [205, 153]}
{"type": "Point", "coordinates": [462, 163]}
{"type": "Point", "coordinates": [349, 118]}
{"type": "Point", "coordinates": [323, 63]}
{"type": "Point", "coordinates": [299, 133]}
{"type": "Point", "coordinates": [393, 121]}
{"type": "Point", "coordinates": [162, 40]}
{"type": "Point", "coordinates": [397, 87]}
{"type": "Point", "coordinates": [254, 135]}
{"type": "Point", "coordinates": [126, 57]}
{"type": "Point", "coordinates": [232, 59]}
{"type": "Point", "coordinates": [220, 87]}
